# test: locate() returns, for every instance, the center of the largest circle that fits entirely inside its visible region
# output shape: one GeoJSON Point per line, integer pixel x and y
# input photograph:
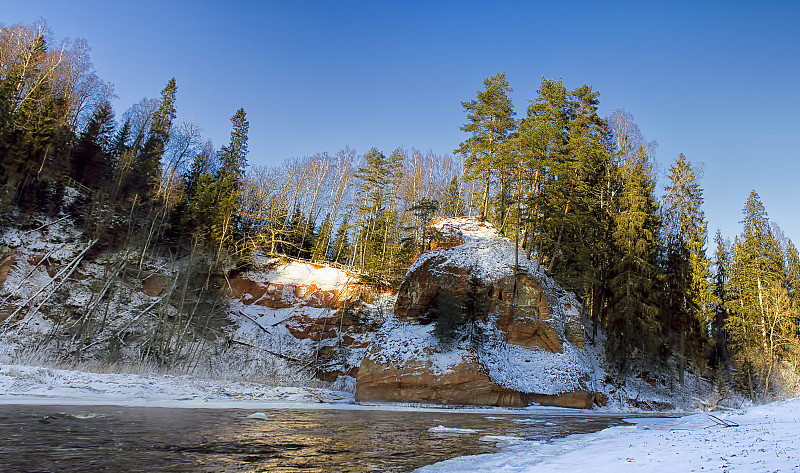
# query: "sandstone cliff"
{"type": "Point", "coordinates": [311, 312]}
{"type": "Point", "coordinates": [522, 345]}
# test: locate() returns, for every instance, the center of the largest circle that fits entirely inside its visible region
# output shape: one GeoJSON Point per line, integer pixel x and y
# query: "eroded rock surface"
{"type": "Point", "coordinates": [524, 344]}
{"type": "Point", "coordinates": [321, 307]}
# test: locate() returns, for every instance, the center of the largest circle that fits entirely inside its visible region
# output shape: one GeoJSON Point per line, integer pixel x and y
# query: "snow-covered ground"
{"type": "Point", "coordinates": [29, 384]}
{"type": "Point", "coordinates": [759, 439]}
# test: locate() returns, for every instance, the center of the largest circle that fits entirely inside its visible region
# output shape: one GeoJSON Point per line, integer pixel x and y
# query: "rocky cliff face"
{"type": "Point", "coordinates": [310, 311]}
{"type": "Point", "coordinates": [521, 343]}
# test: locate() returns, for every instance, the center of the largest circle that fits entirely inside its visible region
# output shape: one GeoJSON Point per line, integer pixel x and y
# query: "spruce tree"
{"type": "Point", "coordinates": [761, 323]}
{"type": "Point", "coordinates": [793, 274]}
{"type": "Point", "coordinates": [228, 182]}
{"type": "Point", "coordinates": [91, 163]}
{"type": "Point", "coordinates": [632, 326]}
{"type": "Point", "coordinates": [688, 309]}
{"type": "Point", "coordinates": [144, 177]}
{"type": "Point", "coordinates": [340, 248]}
{"type": "Point", "coordinates": [720, 357]}
{"type": "Point", "coordinates": [322, 243]}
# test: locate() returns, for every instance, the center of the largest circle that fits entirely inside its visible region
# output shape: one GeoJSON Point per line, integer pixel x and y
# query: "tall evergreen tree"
{"type": "Point", "coordinates": [720, 358]}
{"type": "Point", "coordinates": [792, 274]}
{"type": "Point", "coordinates": [688, 308]}
{"type": "Point", "coordinates": [490, 122]}
{"type": "Point", "coordinates": [340, 248]}
{"type": "Point", "coordinates": [228, 182]}
{"type": "Point", "coordinates": [761, 324]}
{"type": "Point", "coordinates": [144, 177]}
{"type": "Point", "coordinates": [322, 243]}
{"type": "Point", "coordinates": [632, 322]}
{"type": "Point", "coordinates": [453, 202]}
{"type": "Point", "coordinates": [91, 162]}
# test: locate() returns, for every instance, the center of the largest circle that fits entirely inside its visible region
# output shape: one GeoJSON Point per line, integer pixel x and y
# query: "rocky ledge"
{"type": "Point", "coordinates": [470, 329]}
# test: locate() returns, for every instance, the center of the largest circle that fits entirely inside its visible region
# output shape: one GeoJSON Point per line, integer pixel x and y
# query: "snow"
{"type": "Point", "coordinates": [762, 440]}
{"type": "Point", "coordinates": [533, 369]}
{"type": "Point", "coordinates": [25, 384]}
{"type": "Point", "coordinates": [404, 343]}
{"type": "Point", "coordinates": [759, 439]}
{"type": "Point", "coordinates": [440, 429]}
{"type": "Point", "coordinates": [489, 255]}
{"type": "Point", "coordinates": [293, 273]}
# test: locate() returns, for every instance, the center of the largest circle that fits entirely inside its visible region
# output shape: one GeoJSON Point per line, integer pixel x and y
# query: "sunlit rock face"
{"type": "Point", "coordinates": [319, 307]}
{"type": "Point", "coordinates": [525, 347]}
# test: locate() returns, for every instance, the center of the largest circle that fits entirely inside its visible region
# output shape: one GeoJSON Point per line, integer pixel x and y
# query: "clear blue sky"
{"type": "Point", "coordinates": [716, 80]}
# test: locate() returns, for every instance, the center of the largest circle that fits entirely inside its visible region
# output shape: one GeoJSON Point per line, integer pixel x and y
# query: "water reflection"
{"type": "Point", "coordinates": [110, 438]}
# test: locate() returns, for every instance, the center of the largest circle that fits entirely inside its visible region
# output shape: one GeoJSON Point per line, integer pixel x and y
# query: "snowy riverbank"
{"type": "Point", "coordinates": [759, 439]}
{"type": "Point", "coordinates": [30, 384]}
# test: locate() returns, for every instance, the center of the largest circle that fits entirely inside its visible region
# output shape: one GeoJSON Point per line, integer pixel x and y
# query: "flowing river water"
{"type": "Point", "coordinates": [42, 438]}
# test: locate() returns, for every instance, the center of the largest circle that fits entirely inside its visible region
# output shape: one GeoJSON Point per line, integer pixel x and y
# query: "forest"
{"type": "Point", "coordinates": [576, 191]}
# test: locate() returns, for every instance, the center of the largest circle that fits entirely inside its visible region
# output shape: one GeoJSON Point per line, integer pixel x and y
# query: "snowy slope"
{"type": "Point", "coordinates": [121, 303]}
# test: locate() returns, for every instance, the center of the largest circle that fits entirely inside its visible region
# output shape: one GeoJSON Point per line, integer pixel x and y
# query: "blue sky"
{"type": "Point", "coordinates": [715, 80]}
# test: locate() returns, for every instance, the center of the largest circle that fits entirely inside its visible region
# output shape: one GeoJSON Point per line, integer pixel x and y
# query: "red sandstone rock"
{"type": "Point", "coordinates": [523, 307]}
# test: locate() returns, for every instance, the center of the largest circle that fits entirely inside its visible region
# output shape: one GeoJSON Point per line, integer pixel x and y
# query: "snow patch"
{"type": "Point", "coordinates": [440, 429]}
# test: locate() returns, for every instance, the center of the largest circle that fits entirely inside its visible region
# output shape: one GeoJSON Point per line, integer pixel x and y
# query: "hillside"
{"type": "Point", "coordinates": [293, 323]}
{"type": "Point", "coordinates": [282, 322]}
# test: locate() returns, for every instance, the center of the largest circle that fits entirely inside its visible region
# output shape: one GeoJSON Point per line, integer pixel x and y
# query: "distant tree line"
{"type": "Point", "coordinates": [575, 190]}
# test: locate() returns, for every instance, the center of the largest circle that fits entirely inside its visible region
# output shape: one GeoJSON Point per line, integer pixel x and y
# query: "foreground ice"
{"type": "Point", "coordinates": [759, 439]}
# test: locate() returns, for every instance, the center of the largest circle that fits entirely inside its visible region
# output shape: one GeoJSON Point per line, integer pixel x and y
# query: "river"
{"type": "Point", "coordinates": [39, 438]}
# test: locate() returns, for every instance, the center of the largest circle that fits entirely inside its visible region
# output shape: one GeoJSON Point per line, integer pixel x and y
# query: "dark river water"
{"type": "Point", "coordinates": [37, 438]}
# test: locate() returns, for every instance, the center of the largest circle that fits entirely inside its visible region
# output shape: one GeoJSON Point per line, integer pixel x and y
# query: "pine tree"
{"type": "Point", "coordinates": [376, 246]}
{"type": "Point", "coordinates": [453, 202]}
{"type": "Point", "coordinates": [424, 210]}
{"type": "Point", "coordinates": [542, 141]}
{"type": "Point", "coordinates": [490, 122]}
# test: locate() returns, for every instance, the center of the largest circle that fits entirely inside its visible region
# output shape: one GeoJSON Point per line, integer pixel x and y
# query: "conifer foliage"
{"type": "Point", "coordinates": [762, 319]}
{"type": "Point", "coordinates": [688, 307]}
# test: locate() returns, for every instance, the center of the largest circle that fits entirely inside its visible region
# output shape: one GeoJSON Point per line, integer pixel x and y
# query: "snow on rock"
{"type": "Point", "coordinates": [526, 345]}
{"type": "Point", "coordinates": [306, 311]}
{"type": "Point", "coordinates": [477, 246]}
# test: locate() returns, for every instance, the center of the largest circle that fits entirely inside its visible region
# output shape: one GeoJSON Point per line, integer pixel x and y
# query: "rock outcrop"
{"type": "Point", "coordinates": [518, 341]}
{"type": "Point", "coordinates": [320, 310]}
